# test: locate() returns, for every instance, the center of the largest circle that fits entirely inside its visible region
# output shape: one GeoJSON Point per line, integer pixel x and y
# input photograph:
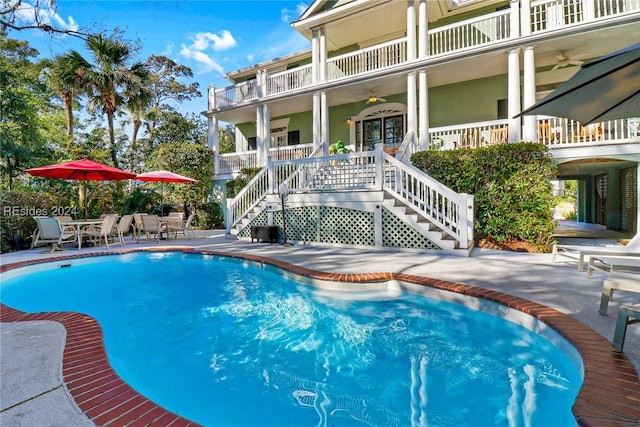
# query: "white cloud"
{"type": "Point", "coordinates": [203, 41]}
{"type": "Point", "coordinates": [206, 64]}
{"type": "Point", "coordinates": [224, 41]}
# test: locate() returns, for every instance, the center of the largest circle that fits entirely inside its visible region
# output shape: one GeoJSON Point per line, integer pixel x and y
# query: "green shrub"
{"type": "Point", "coordinates": [511, 184]}
{"type": "Point", "coordinates": [209, 216]}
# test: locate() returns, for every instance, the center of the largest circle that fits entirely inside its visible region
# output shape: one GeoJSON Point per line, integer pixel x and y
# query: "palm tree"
{"type": "Point", "coordinates": [138, 108]}
{"type": "Point", "coordinates": [65, 76]}
{"type": "Point", "coordinates": [112, 82]}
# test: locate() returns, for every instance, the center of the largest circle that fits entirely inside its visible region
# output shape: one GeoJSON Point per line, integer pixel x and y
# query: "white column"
{"type": "Point", "coordinates": [423, 110]}
{"type": "Point", "coordinates": [514, 17]}
{"type": "Point", "coordinates": [411, 30]}
{"type": "Point", "coordinates": [423, 29]}
{"type": "Point", "coordinates": [423, 86]}
{"type": "Point", "coordinates": [411, 102]}
{"type": "Point", "coordinates": [314, 56]}
{"type": "Point", "coordinates": [317, 136]}
{"type": "Point", "coordinates": [213, 131]}
{"type": "Point", "coordinates": [266, 122]}
{"type": "Point", "coordinates": [322, 60]}
{"type": "Point", "coordinates": [525, 17]}
{"type": "Point", "coordinates": [530, 122]}
{"type": "Point", "coordinates": [213, 141]}
{"type": "Point", "coordinates": [513, 92]}
{"type": "Point", "coordinates": [260, 137]}
{"type": "Point", "coordinates": [324, 123]}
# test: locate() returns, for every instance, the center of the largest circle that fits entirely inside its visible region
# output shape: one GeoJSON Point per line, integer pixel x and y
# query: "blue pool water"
{"type": "Point", "coordinates": [228, 343]}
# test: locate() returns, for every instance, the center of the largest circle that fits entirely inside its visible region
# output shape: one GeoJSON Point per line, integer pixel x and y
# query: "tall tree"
{"type": "Point", "coordinates": [137, 107]}
{"type": "Point", "coordinates": [22, 103]}
{"type": "Point", "coordinates": [66, 77]}
{"type": "Point", "coordinates": [165, 85]}
{"type": "Point", "coordinates": [112, 81]}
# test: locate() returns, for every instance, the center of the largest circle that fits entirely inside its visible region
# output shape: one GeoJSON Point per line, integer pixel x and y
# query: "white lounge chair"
{"type": "Point", "coordinates": [627, 314]}
{"type": "Point", "coordinates": [618, 280]}
{"type": "Point", "coordinates": [579, 252]}
{"type": "Point", "coordinates": [629, 263]}
{"type": "Point", "coordinates": [50, 231]}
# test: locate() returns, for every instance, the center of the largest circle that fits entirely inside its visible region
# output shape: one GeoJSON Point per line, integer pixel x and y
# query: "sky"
{"type": "Point", "coordinates": [212, 37]}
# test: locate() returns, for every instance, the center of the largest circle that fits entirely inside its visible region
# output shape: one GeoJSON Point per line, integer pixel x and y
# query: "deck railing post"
{"type": "Point", "coordinates": [379, 159]}
{"type": "Point", "coordinates": [466, 220]}
{"type": "Point", "coordinates": [229, 216]}
{"type": "Point", "coordinates": [271, 176]}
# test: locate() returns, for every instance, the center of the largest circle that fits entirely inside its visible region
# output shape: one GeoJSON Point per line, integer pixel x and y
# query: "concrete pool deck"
{"type": "Point", "coordinates": [32, 384]}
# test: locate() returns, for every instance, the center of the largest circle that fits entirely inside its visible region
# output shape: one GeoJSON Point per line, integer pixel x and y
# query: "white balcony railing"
{"type": "Point", "coordinates": [234, 162]}
{"type": "Point", "coordinates": [549, 15]}
{"type": "Point", "coordinates": [367, 60]}
{"type": "Point", "coordinates": [545, 15]}
{"type": "Point", "coordinates": [471, 33]}
{"type": "Point", "coordinates": [288, 80]}
{"type": "Point", "coordinates": [553, 132]}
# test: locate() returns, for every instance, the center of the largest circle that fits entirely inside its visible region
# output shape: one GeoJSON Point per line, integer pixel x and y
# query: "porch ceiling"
{"type": "Point", "coordinates": [590, 167]}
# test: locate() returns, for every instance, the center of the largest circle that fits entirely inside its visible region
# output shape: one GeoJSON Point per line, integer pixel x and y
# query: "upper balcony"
{"type": "Point", "coordinates": [544, 18]}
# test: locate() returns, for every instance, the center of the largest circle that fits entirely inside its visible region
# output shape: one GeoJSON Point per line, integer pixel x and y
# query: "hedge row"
{"type": "Point", "coordinates": [511, 184]}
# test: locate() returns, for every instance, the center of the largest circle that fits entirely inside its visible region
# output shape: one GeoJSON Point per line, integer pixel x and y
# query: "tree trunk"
{"type": "Point", "coordinates": [68, 107]}
{"type": "Point", "coordinates": [112, 139]}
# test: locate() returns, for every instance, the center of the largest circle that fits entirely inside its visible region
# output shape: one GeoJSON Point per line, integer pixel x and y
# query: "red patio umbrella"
{"type": "Point", "coordinates": [82, 170]}
{"type": "Point", "coordinates": [163, 176]}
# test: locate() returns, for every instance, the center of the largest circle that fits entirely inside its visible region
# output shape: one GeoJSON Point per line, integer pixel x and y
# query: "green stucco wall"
{"type": "Point", "coordinates": [472, 101]}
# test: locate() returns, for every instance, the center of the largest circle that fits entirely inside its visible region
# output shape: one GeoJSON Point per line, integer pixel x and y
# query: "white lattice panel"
{"type": "Point", "coordinates": [342, 226]}
{"type": "Point", "coordinates": [346, 226]}
{"type": "Point", "coordinates": [397, 234]}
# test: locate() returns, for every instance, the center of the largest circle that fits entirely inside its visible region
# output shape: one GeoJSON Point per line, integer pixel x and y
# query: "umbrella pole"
{"type": "Point", "coordinates": [84, 184]}
{"type": "Point", "coordinates": [161, 198]}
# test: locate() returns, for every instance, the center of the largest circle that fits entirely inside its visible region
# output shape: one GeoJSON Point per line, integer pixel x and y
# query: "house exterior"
{"type": "Point", "coordinates": [407, 75]}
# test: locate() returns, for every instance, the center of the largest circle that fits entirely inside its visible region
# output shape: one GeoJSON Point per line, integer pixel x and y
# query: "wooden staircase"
{"type": "Point", "coordinates": [366, 199]}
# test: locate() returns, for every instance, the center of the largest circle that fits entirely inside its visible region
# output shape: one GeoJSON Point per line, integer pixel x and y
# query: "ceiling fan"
{"type": "Point", "coordinates": [373, 99]}
{"type": "Point", "coordinates": [564, 60]}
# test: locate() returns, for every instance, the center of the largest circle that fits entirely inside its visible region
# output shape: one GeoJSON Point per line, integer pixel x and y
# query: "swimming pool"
{"type": "Point", "coordinates": [226, 342]}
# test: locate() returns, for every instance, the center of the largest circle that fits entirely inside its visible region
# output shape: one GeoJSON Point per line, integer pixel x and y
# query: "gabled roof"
{"type": "Point", "coordinates": [321, 6]}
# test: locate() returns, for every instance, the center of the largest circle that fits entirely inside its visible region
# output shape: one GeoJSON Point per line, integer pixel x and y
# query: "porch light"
{"type": "Point", "coordinates": [348, 121]}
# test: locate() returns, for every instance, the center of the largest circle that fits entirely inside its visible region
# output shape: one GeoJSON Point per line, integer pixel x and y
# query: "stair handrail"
{"type": "Point", "coordinates": [407, 147]}
{"type": "Point", "coordinates": [263, 183]}
{"type": "Point", "coordinates": [248, 198]}
{"type": "Point", "coordinates": [452, 212]}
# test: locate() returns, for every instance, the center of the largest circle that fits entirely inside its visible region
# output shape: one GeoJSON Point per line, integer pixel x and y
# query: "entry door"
{"type": "Point", "coordinates": [601, 199]}
{"type": "Point", "coordinates": [387, 130]}
{"type": "Point", "coordinates": [371, 134]}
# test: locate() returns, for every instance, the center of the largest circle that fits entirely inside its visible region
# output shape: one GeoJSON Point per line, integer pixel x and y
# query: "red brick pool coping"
{"type": "Point", "coordinates": [610, 393]}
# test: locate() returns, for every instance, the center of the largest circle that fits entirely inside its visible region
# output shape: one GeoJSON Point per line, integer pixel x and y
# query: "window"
{"type": "Point", "coordinates": [293, 137]}
{"type": "Point", "coordinates": [253, 143]}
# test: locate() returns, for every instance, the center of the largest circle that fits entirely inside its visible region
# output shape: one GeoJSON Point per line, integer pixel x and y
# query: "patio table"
{"type": "Point", "coordinates": [78, 224]}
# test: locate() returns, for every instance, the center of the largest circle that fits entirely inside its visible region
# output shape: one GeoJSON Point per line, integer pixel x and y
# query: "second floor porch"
{"type": "Point", "coordinates": [566, 139]}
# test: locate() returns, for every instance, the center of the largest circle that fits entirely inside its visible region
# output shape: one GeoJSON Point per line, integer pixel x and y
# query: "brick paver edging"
{"type": "Point", "coordinates": [609, 396]}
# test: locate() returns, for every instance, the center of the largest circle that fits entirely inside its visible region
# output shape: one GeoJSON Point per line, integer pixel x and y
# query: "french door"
{"type": "Point", "coordinates": [387, 130]}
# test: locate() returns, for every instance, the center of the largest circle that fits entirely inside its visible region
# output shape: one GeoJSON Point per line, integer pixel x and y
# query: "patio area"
{"type": "Point", "coordinates": [31, 352]}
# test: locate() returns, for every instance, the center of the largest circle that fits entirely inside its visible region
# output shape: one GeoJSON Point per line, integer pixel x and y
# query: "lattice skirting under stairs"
{"type": "Point", "coordinates": [342, 227]}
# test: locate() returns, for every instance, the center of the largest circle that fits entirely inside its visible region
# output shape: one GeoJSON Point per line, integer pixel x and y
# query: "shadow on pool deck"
{"type": "Point", "coordinates": [30, 352]}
